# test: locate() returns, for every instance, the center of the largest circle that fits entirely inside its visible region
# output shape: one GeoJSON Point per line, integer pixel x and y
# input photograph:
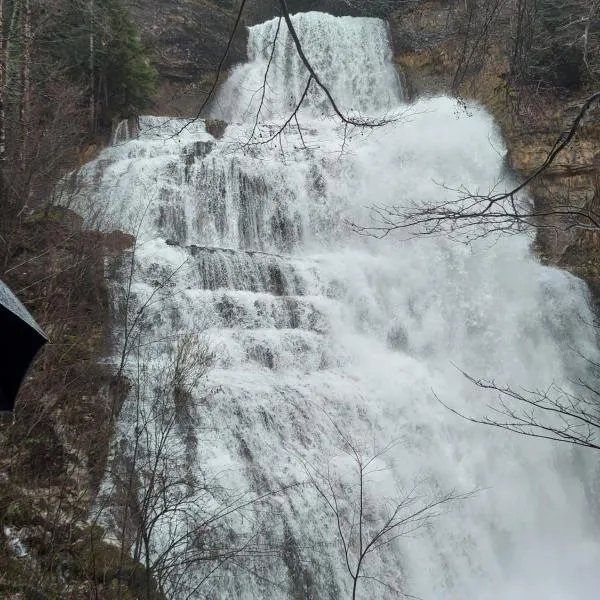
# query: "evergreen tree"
{"type": "Point", "coordinates": [97, 44]}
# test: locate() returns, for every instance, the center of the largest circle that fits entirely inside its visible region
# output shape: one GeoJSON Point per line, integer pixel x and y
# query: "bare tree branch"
{"type": "Point", "coordinates": [361, 533]}
{"type": "Point", "coordinates": [494, 212]}
{"type": "Point", "coordinates": [553, 414]}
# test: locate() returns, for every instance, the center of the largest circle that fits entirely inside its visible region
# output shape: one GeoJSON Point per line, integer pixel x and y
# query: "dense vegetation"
{"type": "Point", "coordinates": [69, 69]}
{"type": "Point", "coordinates": [99, 49]}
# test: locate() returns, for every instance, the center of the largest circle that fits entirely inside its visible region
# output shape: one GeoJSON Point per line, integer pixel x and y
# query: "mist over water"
{"type": "Point", "coordinates": [317, 329]}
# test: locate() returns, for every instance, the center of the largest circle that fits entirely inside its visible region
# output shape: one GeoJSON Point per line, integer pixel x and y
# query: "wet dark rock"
{"type": "Point", "coordinates": [189, 38]}
{"type": "Point", "coordinates": [197, 151]}
{"type": "Point", "coordinates": [277, 282]}
{"type": "Point", "coordinates": [397, 338]}
{"type": "Point", "coordinates": [215, 127]}
{"type": "Point", "coordinates": [263, 355]}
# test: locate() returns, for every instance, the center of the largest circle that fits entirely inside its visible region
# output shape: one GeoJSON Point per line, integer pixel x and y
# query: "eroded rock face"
{"type": "Point", "coordinates": [187, 39]}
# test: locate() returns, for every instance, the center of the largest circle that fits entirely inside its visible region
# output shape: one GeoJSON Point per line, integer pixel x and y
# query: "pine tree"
{"type": "Point", "coordinates": [97, 44]}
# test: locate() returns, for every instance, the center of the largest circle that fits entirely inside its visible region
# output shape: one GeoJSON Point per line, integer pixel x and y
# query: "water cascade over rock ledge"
{"type": "Point", "coordinates": [311, 335]}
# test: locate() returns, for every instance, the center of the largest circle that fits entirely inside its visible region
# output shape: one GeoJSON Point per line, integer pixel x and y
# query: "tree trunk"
{"type": "Point", "coordinates": [92, 60]}
{"type": "Point", "coordinates": [3, 65]}
{"type": "Point", "coordinates": [25, 105]}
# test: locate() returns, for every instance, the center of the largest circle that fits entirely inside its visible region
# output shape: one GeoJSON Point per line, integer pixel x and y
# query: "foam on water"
{"type": "Point", "coordinates": [314, 325]}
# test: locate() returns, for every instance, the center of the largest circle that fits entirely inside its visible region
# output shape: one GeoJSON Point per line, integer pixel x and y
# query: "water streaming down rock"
{"type": "Point", "coordinates": [352, 56]}
{"type": "Point", "coordinates": [317, 329]}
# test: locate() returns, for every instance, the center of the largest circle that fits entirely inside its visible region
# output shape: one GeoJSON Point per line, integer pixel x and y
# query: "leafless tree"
{"type": "Point", "coordinates": [363, 525]}
{"type": "Point", "coordinates": [559, 413]}
{"type": "Point", "coordinates": [181, 524]}
{"type": "Point", "coordinates": [548, 44]}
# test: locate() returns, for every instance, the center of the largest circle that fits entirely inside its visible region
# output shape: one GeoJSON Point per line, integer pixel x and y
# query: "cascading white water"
{"type": "Point", "coordinates": [352, 56]}
{"type": "Point", "coordinates": [317, 329]}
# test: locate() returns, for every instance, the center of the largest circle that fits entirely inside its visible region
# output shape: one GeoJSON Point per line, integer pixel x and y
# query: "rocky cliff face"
{"type": "Point", "coordinates": [429, 45]}
{"type": "Point", "coordinates": [186, 41]}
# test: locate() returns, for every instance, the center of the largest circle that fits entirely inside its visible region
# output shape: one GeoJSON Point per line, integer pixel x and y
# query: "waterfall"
{"type": "Point", "coordinates": [352, 56]}
{"type": "Point", "coordinates": [318, 335]}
